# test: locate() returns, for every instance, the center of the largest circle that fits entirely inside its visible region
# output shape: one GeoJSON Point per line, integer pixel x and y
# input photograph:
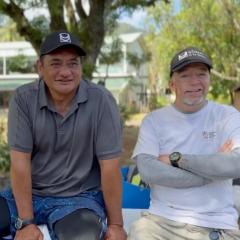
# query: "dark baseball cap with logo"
{"type": "Point", "coordinates": [187, 56]}
{"type": "Point", "coordinates": [58, 40]}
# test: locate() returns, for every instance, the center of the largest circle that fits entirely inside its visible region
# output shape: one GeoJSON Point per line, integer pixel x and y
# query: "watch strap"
{"type": "Point", "coordinates": [175, 164]}
{"type": "Point", "coordinates": [28, 222]}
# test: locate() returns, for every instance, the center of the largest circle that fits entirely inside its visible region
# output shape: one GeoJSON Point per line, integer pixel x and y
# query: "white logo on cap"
{"type": "Point", "coordinates": [182, 55]}
{"type": "Point", "coordinates": [64, 37]}
{"type": "Point", "coordinates": [190, 53]}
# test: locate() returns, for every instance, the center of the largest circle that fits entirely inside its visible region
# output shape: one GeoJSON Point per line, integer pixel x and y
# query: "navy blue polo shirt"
{"type": "Point", "coordinates": [65, 150]}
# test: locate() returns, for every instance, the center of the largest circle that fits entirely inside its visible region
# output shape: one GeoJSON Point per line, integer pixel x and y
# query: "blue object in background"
{"type": "Point", "coordinates": [134, 196]}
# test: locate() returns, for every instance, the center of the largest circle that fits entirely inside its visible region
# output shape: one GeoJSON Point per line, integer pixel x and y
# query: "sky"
{"type": "Point", "coordinates": [138, 17]}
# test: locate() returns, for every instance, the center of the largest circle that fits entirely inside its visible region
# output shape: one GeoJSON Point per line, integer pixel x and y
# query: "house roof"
{"type": "Point", "coordinates": [10, 49]}
{"type": "Point", "coordinates": [112, 84]}
{"type": "Point", "coordinates": [126, 37]}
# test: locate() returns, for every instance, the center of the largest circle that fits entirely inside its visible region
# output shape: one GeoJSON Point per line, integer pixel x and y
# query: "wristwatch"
{"type": "Point", "coordinates": [21, 223]}
{"type": "Point", "coordinates": [174, 158]}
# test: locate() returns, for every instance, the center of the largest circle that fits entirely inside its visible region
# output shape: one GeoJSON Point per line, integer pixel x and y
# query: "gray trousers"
{"type": "Point", "coordinates": [153, 227]}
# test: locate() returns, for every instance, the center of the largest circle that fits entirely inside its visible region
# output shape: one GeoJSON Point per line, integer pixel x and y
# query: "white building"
{"type": "Point", "coordinates": [126, 84]}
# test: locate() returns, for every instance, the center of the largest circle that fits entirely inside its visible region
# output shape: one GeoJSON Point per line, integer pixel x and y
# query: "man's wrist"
{"type": "Point", "coordinates": [21, 223]}
{"type": "Point", "coordinates": [116, 224]}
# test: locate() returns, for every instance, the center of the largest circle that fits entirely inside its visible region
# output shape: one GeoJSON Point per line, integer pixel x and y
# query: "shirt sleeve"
{"type": "Point", "coordinates": [153, 171]}
{"type": "Point", "coordinates": [109, 130]}
{"type": "Point", "coordinates": [147, 142]}
{"type": "Point", "coordinates": [231, 128]}
{"type": "Point", "coordinates": [19, 125]}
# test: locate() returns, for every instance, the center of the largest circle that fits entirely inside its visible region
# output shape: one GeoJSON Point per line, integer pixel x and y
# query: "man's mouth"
{"type": "Point", "coordinates": [194, 91]}
{"type": "Point", "coordinates": [64, 80]}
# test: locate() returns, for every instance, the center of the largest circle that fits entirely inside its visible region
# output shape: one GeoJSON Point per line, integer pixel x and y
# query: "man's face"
{"type": "Point", "coordinates": [61, 70]}
{"type": "Point", "coordinates": [191, 85]}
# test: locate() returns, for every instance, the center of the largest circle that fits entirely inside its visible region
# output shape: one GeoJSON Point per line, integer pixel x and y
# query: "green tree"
{"type": "Point", "coordinates": [21, 63]}
{"type": "Point", "coordinates": [137, 61]}
{"type": "Point", "coordinates": [4, 154]}
{"type": "Point", "coordinates": [213, 26]}
{"type": "Point", "coordinates": [8, 30]}
{"type": "Point", "coordinates": [90, 27]}
{"type": "Point", "coordinates": [110, 54]}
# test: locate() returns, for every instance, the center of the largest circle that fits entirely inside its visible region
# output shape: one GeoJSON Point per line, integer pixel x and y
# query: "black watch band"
{"type": "Point", "coordinates": [21, 223]}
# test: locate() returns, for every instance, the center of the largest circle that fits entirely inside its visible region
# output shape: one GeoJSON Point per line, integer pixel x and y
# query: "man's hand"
{"type": "Point", "coordinates": [115, 232]}
{"type": "Point", "coordinates": [30, 232]}
{"type": "Point", "coordinates": [164, 158]}
{"type": "Point", "coordinates": [226, 147]}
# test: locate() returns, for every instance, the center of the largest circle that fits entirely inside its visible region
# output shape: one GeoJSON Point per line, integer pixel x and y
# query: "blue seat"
{"type": "Point", "coordinates": [134, 196]}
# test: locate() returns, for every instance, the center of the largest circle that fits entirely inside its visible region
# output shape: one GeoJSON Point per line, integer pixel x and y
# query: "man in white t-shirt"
{"type": "Point", "coordinates": [188, 153]}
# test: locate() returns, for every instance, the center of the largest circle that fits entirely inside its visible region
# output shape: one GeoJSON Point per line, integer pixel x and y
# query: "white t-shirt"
{"type": "Point", "coordinates": [167, 130]}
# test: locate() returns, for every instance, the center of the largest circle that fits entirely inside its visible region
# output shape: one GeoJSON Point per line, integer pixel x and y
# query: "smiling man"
{"type": "Point", "coordinates": [188, 153]}
{"type": "Point", "coordinates": [65, 141]}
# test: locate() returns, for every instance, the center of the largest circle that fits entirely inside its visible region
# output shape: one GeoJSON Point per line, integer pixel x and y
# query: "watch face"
{"type": "Point", "coordinates": [175, 156]}
{"type": "Point", "coordinates": [18, 223]}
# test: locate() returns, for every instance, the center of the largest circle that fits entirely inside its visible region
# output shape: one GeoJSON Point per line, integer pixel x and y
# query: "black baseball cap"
{"type": "Point", "coordinates": [60, 39]}
{"type": "Point", "coordinates": [187, 56]}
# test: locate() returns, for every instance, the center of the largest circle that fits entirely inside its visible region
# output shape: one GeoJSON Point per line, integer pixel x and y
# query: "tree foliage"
{"type": "Point", "coordinates": [4, 154]}
{"type": "Point", "coordinates": [90, 27]}
{"type": "Point", "coordinates": [212, 25]}
{"type": "Point", "coordinates": [111, 53]}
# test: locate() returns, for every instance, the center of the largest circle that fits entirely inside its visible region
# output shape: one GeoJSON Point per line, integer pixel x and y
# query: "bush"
{"type": "Point", "coordinates": [162, 101]}
{"type": "Point", "coordinates": [21, 64]}
{"type": "Point", "coordinates": [4, 152]}
{"type": "Point", "coordinates": [124, 113]}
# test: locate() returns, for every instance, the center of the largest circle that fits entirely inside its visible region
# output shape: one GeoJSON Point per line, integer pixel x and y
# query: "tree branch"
{"type": "Point", "coordinates": [24, 27]}
{"type": "Point", "coordinates": [71, 16]}
{"type": "Point", "coordinates": [237, 24]}
{"type": "Point", "coordinates": [230, 12]}
{"type": "Point", "coordinates": [80, 9]}
{"type": "Point", "coordinates": [136, 3]}
{"type": "Point", "coordinates": [222, 76]}
{"type": "Point", "coordinates": [56, 14]}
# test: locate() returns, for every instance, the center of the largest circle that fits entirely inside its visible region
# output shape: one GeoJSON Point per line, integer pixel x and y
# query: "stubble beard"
{"type": "Point", "coordinates": [192, 102]}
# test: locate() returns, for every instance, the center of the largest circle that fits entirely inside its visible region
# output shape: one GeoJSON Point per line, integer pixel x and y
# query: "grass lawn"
{"type": "Point", "coordinates": [130, 134]}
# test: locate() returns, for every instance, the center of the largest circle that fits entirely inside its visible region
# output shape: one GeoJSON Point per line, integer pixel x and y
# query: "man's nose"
{"type": "Point", "coordinates": [65, 70]}
{"type": "Point", "coordinates": [195, 79]}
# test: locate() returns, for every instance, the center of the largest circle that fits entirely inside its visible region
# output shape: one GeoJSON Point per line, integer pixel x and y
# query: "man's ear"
{"type": "Point", "coordinates": [39, 66]}
{"type": "Point", "coordinates": [171, 85]}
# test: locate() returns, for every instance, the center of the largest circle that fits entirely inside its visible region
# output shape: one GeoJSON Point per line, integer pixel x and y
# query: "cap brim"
{"type": "Point", "coordinates": [80, 51]}
{"type": "Point", "coordinates": [185, 63]}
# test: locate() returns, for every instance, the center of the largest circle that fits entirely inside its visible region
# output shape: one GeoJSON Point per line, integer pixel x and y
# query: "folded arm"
{"type": "Point", "coordinates": [153, 171]}
{"type": "Point", "coordinates": [217, 166]}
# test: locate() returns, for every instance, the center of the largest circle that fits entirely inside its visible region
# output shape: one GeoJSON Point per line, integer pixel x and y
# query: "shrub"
{"type": "Point", "coordinates": [4, 149]}
{"type": "Point", "coordinates": [124, 113]}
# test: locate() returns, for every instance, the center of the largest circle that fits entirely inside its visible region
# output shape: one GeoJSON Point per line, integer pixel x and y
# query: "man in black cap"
{"type": "Point", "coordinates": [189, 153]}
{"type": "Point", "coordinates": [64, 135]}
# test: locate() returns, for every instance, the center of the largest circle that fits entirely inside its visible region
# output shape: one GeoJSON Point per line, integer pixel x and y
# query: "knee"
{"type": "Point", "coordinates": [139, 230]}
{"type": "Point", "coordinates": [5, 220]}
{"type": "Point", "coordinates": [80, 225]}
{"type": "Point", "coordinates": [133, 231]}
